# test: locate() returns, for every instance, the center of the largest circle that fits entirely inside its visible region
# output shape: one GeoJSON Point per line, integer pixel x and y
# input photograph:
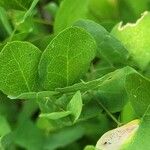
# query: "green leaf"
{"type": "Point", "coordinates": [58, 140]}
{"type": "Point", "coordinates": [18, 63]}
{"type": "Point", "coordinates": [4, 126]}
{"type": "Point", "coordinates": [34, 95]}
{"type": "Point", "coordinates": [90, 108]}
{"type": "Point", "coordinates": [108, 89]}
{"type": "Point", "coordinates": [15, 4]}
{"type": "Point", "coordinates": [67, 15]}
{"type": "Point", "coordinates": [104, 10]}
{"type": "Point", "coordinates": [70, 11]}
{"type": "Point", "coordinates": [130, 11]}
{"type": "Point", "coordinates": [135, 38]}
{"type": "Point", "coordinates": [55, 115]}
{"type": "Point", "coordinates": [2, 45]}
{"type": "Point", "coordinates": [26, 15]}
{"type": "Point", "coordinates": [79, 86]}
{"type": "Point", "coordinates": [27, 110]}
{"type": "Point", "coordinates": [138, 91]}
{"type": "Point", "coordinates": [4, 130]}
{"type": "Point", "coordinates": [101, 68]}
{"type": "Point", "coordinates": [30, 138]}
{"type": "Point", "coordinates": [137, 88]}
{"type": "Point", "coordinates": [28, 25]}
{"type": "Point", "coordinates": [44, 42]}
{"type": "Point", "coordinates": [75, 105]}
{"type": "Point", "coordinates": [128, 113]}
{"type": "Point", "coordinates": [5, 21]}
{"type": "Point", "coordinates": [19, 36]}
{"type": "Point", "coordinates": [66, 59]}
{"type": "Point", "coordinates": [33, 138]}
{"type": "Point", "coordinates": [140, 139]}
{"type": "Point", "coordinates": [7, 142]}
{"type": "Point", "coordinates": [95, 84]}
{"type": "Point", "coordinates": [108, 47]}
{"type": "Point", "coordinates": [8, 108]}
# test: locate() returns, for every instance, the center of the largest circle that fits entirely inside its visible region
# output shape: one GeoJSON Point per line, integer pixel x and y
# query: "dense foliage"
{"type": "Point", "coordinates": [73, 70]}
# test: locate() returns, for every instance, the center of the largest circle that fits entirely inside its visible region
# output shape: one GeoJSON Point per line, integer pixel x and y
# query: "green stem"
{"type": "Point", "coordinates": [12, 34]}
{"type": "Point", "coordinates": [26, 15]}
{"type": "Point", "coordinates": [109, 114]}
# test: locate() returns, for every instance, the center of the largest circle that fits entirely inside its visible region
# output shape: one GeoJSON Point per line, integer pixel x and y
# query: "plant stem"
{"type": "Point", "coordinates": [109, 114]}
{"type": "Point", "coordinates": [12, 34]}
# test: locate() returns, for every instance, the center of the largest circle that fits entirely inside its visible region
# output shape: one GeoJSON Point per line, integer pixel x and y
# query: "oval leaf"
{"type": "Point", "coordinates": [18, 63]}
{"type": "Point", "coordinates": [66, 59]}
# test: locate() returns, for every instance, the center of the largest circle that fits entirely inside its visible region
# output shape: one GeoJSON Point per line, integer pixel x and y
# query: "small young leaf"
{"type": "Point", "coordinates": [18, 63]}
{"type": "Point", "coordinates": [75, 105]}
{"type": "Point", "coordinates": [55, 115]}
{"type": "Point", "coordinates": [66, 59]}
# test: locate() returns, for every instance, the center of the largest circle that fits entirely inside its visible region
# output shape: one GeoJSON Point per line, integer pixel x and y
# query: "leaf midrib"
{"type": "Point", "coordinates": [67, 57]}
{"type": "Point", "coordinates": [25, 80]}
